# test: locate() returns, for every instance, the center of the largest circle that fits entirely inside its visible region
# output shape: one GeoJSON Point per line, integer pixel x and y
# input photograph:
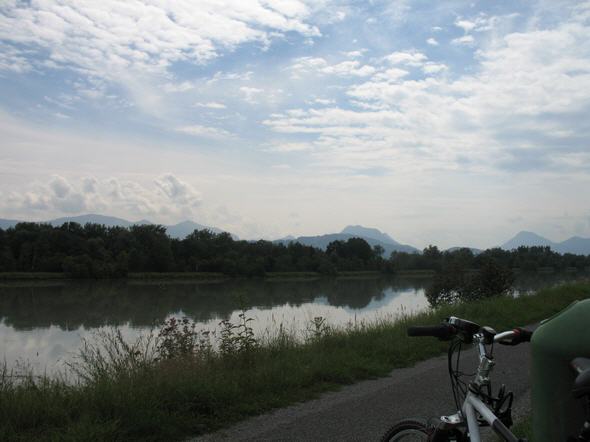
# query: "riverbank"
{"type": "Point", "coordinates": [139, 395]}
{"type": "Point", "coordinates": [47, 276]}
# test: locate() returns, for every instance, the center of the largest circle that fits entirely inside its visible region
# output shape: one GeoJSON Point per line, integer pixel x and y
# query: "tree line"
{"type": "Point", "coordinates": [523, 258]}
{"type": "Point", "coordinates": [97, 251]}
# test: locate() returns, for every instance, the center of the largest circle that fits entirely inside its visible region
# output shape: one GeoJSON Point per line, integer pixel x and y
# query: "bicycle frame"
{"type": "Point", "coordinates": [473, 405]}
{"type": "Point", "coordinates": [468, 418]}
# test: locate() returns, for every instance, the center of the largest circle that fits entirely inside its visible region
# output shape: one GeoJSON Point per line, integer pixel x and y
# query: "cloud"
{"type": "Point", "coordinates": [410, 58]}
{"type": "Point", "coordinates": [168, 197]}
{"type": "Point", "coordinates": [109, 37]}
{"type": "Point", "coordinates": [432, 41]}
{"type": "Point", "coordinates": [318, 65]}
{"type": "Point", "coordinates": [433, 68]}
{"type": "Point", "coordinates": [250, 93]}
{"type": "Point", "coordinates": [290, 147]}
{"type": "Point", "coordinates": [179, 87]}
{"type": "Point", "coordinates": [466, 25]}
{"type": "Point", "coordinates": [58, 194]}
{"type": "Point", "coordinates": [60, 187]}
{"type": "Point", "coordinates": [204, 131]}
{"type": "Point", "coordinates": [355, 54]}
{"type": "Point", "coordinates": [178, 191]}
{"type": "Point", "coordinates": [466, 40]}
{"type": "Point", "coordinates": [89, 185]}
{"type": "Point", "coordinates": [522, 109]}
{"type": "Point", "coordinates": [211, 105]}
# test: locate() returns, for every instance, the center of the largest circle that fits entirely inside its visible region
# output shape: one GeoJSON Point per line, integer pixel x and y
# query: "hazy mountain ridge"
{"type": "Point", "coordinates": [179, 230]}
{"type": "Point", "coordinates": [576, 244]}
{"type": "Point", "coordinates": [373, 236]}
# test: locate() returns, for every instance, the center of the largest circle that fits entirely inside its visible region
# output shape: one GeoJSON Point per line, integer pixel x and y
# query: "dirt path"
{"type": "Point", "coordinates": [364, 411]}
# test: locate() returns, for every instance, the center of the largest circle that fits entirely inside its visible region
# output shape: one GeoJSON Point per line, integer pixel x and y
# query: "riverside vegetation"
{"type": "Point", "coordinates": [96, 251]}
{"type": "Point", "coordinates": [181, 381]}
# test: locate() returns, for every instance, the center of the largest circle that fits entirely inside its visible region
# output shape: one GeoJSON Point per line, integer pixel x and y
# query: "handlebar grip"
{"type": "Point", "coordinates": [524, 335]}
{"type": "Point", "coordinates": [441, 331]}
{"type": "Point", "coordinates": [520, 335]}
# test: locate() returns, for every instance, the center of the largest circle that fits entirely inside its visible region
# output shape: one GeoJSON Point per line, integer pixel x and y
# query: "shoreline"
{"type": "Point", "coordinates": [150, 276]}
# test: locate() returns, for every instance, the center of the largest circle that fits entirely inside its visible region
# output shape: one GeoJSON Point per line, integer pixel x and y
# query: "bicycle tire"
{"type": "Point", "coordinates": [407, 430]}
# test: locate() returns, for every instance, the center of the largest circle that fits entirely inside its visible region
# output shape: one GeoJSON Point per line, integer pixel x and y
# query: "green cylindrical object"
{"type": "Point", "coordinates": [558, 340]}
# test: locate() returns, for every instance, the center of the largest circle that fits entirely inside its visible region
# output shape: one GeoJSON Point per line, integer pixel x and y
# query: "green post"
{"type": "Point", "coordinates": [558, 340]}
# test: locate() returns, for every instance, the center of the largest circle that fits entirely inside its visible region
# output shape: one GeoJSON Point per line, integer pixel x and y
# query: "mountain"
{"type": "Point", "coordinates": [8, 223]}
{"type": "Point", "coordinates": [180, 230]}
{"type": "Point", "coordinates": [368, 232]}
{"type": "Point", "coordinates": [575, 244]}
{"type": "Point", "coordinates": [373, 236]}
{"type": "Point", "coordinates": [109, 221]}
{"type": "Point", "coordinates": [528, 239]}
{"type": "Point", "coordinates": [185, 228]}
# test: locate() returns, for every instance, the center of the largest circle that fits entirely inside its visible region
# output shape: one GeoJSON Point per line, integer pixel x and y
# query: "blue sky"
{"type": "Point", "coordinates": [448, 122]}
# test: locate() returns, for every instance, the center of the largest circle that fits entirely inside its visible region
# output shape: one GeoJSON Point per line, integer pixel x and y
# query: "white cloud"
{"type": "Point", "coordinates": [480, 23]}
{"type": "Point", "coordinates": [179, 87]}
{"type": "Point", "coordinates": [178, 191]}
{"type": "Point", "coordinates": [204, 131]}
{"type": "Point", "coordinates": [251, 93]}
{"type": "Point", "coordinates": [319, 65]}
{"type": "Point", "coordinates": [466, 25]}
{"type": "Point", "coordinates": [355, 54]}
{"type": "Point", "coordinates": [168, 197]}
{"type": "Point", "coordinates": [60, 187]}
{"type": "Point", "coordinates": [392, 74]}
{"type": "Point", "coordinates": [525, 106]}
{"type": "Point", "coordinates": [411, 58]}
{"type": "Point", "coordinates": [291, 147]}
{"type": "Point", "coordinates": [134, 46]}
{"type": "Point", "coordinates": [230, 76]}
{"type": "Point", "coordinates": [466, 40]}
{"type": "Point", "coordinates": [434, 68]}
{"type": "Point", "coordinates": [432, 41]}
{"type": "Point", "coordinates": [211, 105]}
{"type": "Point", "coordinates": [323, 101]}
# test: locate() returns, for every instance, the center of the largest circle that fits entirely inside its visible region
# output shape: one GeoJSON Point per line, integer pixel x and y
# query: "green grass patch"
{"type": "Point", "coordinates": [30, 276]}
{"type": "Point", "coordinates": [136, 396]}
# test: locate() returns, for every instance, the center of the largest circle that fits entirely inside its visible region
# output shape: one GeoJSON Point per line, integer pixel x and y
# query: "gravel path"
{"type": "Point", "coordinates": [364, 411]}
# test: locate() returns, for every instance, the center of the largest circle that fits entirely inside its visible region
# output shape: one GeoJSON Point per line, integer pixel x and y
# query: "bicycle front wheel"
{"type": "Point", "coordinates": [408, 430]}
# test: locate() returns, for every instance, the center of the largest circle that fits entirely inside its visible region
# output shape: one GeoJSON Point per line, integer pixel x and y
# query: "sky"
{"type": "Point", "coordinates": [448, 123]}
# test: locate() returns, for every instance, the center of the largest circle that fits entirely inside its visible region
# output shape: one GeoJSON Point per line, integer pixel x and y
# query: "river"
{"type": "Point", "coordinates": [42, 323]}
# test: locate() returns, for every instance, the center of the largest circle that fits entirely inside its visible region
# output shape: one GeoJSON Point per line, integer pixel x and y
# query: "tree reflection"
{"type": "Point", "coordinates": [71, 304]}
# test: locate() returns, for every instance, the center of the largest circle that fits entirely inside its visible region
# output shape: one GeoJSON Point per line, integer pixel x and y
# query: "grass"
{"type": "Point", "coordinates": [30, 276]}
{"type": "Point", "coordinates": [127, 393]}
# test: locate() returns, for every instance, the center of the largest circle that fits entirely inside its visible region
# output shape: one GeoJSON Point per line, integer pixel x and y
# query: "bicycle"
{"type": "Point", "coordinates": [475, 402]}
{"type": "Point", "coordinates": [476, 405]}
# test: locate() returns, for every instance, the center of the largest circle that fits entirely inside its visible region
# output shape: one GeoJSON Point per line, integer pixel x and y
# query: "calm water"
{"type": "Point", "coordinates": [43, 323]}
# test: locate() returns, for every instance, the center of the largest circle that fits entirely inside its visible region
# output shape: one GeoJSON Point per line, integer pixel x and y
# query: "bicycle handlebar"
{"type": "Point", "coordinates": [514, 337]}
{"type": "Point", "coordinates": [466, 329]}
{"type": "Point", "coordinates": [441, 331]}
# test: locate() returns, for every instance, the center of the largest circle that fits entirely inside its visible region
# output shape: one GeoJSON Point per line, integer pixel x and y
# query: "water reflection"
{"type": "Point", "coordinates": [72, 304]}
{"type": "Point", "coordinates": [43, 323]}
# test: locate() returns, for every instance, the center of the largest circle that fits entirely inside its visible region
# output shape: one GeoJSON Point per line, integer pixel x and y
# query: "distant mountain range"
{"type": "Point", "coordinates": [180, 230]}
{"type": "Point", "coordinates": [373, 236]}
{"type": "Point", "coordinates": [575, 244]}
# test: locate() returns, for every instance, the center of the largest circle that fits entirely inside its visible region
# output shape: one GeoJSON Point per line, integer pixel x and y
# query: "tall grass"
{"type": "Point", "coordinates": [150, 390]}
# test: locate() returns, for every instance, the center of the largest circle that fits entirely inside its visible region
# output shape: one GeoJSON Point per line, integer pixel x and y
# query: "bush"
{"type": "Point", "coordinates": [455, 284]}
